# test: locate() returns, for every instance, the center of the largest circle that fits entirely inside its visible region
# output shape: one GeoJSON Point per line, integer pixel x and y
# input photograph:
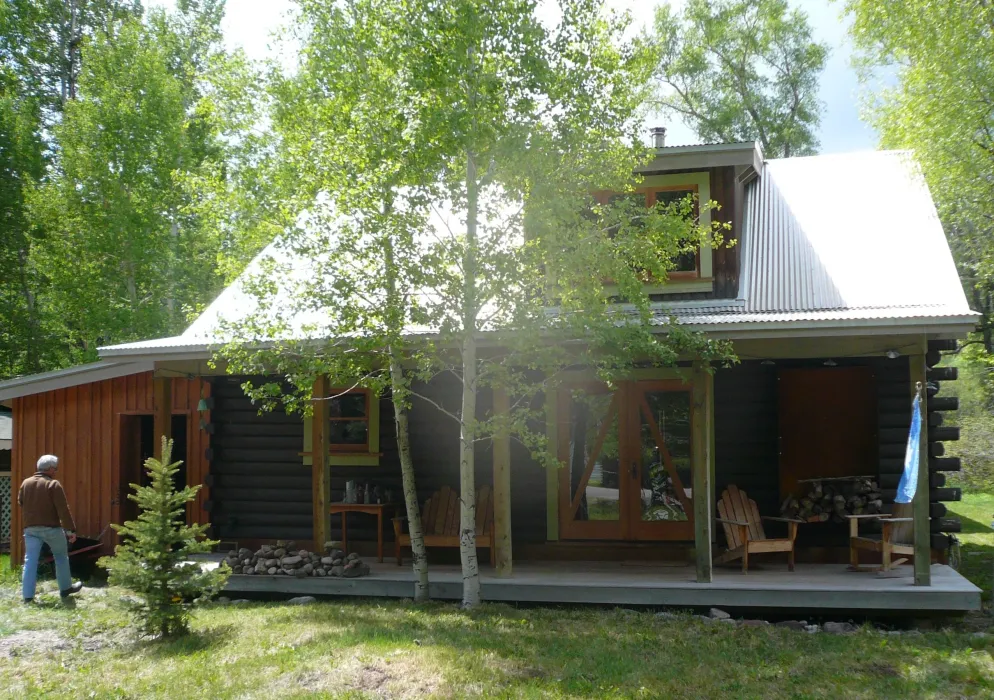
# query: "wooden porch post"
{"type": "Point", "coordinates": [502, 487]}
{"type": "Point", "coordinates": [920, 507]}
{"type": "Point", "coordinates": [701, 467]}
{"type": "Point", "coordinates": [321, 468]}
{"type": "Point", "coordinates": [552, 473]}
{"type": "Point", "coordinates": [162, 417]}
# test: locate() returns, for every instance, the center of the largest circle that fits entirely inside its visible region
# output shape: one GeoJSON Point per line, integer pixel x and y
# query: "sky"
{"type": "Point", "coordinates": [249, 24]}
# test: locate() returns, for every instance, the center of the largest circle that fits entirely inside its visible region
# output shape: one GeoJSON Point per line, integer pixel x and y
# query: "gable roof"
{"type": "Point", "coordinates": [828, 242]}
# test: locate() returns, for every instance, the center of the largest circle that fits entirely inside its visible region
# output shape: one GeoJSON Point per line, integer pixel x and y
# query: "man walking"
{"type": "Point", "coordinates": [46, 520]}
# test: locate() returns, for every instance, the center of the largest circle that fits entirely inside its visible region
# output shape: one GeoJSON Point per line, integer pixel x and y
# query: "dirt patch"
{"type": "Point", "coordinates": [400, 676]}
{"type": "Point", "coordinates": [30, 642]}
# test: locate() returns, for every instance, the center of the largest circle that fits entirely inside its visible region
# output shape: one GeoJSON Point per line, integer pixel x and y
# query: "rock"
{"type": "Point", "coordinates": [705, 618]}
{"type": "Point", "coordinates": [261, 568]}
{"type": "Point", "coordinates": [352, 557]}
{"type": "Point", "coordinates": [338, 562]}
{"type": "Point", "coordinates": [754, 623]}
{"type": "Point", "coordinates": [303, 554]}
{"type": "Point", "coordinates": [797, 625]}
{"type": "Point", "coordinates": [241, 601]}
{"type": "Point", "coordinates": [272, 562]}
{"type": "Point", "coordinates": [839, 628]}
{"type": "Point", "coordinates": [307, 568]}
{"type": "Point", "coordinates": [272, 570]}
{"type": "Point", "coordinates": [223, 600]}
{"type": "Point", "coordinates": [302, 600]}
{"type": "Point", "coordinates": [895, 633]}
{"type": "Point", "coordinates": [243, 552]}
{"type": "Point", "coordinates": [355, 563]}
{"type": "Point", "coordinates": [667, 615]}
{"type": "Point", "coordinates": [300, 573]}
{"type": "Point", "coordinates": [718, 614]}
{"type": "Point", "coordinates": [290, 561]}
{"type": "Point", "coordinates": [327, 561]}
{"type": "Point", "coordinates": [979, 635]}
{"type": "Point", "coordinates": [279, 553]}
{"type": "Point", "coordinates": [337, 571]}
{"type": "Point", "coordinates": [320, 572]}
{"type": "Point", "coordinates": [337, 553]}
{"type": "Point", "coordinates": [291, 545]}
{"type": "Point", "coordinates": [260, 552]}
{"type": "Point", "coordinates": [352, 572]}
{"type": "Point", "coordinates": [811, 629]}
{"type": "Point", "coordinates": [727, 619]}
{"type": "Point", "coordinates": [248, 569]}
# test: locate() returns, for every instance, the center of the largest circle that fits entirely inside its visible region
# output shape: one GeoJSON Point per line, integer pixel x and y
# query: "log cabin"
{"type": "Point", "coordinates": [839, 294]}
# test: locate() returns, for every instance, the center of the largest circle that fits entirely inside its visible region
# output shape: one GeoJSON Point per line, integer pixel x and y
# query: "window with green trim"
{"type": "Point", "coordinates": [353, 429]}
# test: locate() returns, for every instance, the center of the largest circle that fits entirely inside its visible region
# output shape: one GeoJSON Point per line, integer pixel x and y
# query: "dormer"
{"type": "Point", "coordinates": [714, 172]}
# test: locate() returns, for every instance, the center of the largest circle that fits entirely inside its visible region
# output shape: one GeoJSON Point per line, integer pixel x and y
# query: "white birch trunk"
{"type": "Point", "coordinates": [467, 428]}
{"type": "Point", "coordinates": [420, 560]}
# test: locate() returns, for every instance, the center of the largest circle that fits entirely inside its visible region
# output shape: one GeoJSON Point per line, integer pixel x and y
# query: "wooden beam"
{"type": "Point", "coordinates": [701, 470]}
{"type": "Point", "coordinates": [321, 468]}
{"type": "Point", "coordinates": [502, 486]}
{"type": "Point", "coordinates": [162, 416]}
{"type": "Point", "coordinates": [920, 507]}
{"type": "Point", "coordinates": [552, 473]}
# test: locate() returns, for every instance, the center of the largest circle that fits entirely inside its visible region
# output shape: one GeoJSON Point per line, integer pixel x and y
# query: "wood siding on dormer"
{"type": "Point", "coordinates": [725, 258]}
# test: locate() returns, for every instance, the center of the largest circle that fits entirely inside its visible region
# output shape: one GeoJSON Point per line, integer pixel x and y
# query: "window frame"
{"type": "Point", "coordinates": [350, 447]}
{"type": "Point", "coordinates": [340, 454]}
{"type": "Point", "coordinates": [702, 279]}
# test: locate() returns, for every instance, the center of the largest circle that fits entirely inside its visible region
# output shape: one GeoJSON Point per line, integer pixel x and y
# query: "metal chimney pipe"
{"type": "Point", "coordinates": [658, 136]}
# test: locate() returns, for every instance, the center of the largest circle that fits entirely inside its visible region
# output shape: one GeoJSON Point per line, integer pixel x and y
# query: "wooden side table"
{"type": "Point", "coordinates": [376, 509]}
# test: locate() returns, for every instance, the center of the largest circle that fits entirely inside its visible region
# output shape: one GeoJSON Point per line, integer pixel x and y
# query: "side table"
{"type": "Point", "coordinates": [376, 509]}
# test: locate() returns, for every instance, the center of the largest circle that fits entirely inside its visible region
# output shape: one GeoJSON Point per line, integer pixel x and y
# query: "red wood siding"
{"type": "Point", "coordinates": [81, 425]}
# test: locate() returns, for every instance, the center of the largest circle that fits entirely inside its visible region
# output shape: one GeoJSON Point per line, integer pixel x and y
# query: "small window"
{"type": "Point", "coordinates": [348, 416]}
{"type": "Point", "coordinates": [687, 264]}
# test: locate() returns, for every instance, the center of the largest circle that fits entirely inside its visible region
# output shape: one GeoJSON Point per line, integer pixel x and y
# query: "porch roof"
{"type": "Point", "coordinates": [831, 244]}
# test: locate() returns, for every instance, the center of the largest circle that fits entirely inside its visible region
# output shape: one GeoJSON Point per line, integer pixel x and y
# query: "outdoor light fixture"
{"type": "Point", "coordinates": [768, 363]}
{"type": "Point", "coordinates": [830, 362]}
{"type": "Point", "coordinates": [893, 354]}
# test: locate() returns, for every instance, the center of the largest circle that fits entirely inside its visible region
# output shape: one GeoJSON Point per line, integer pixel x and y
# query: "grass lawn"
{"type": "Point", "coordinates": [360, 648]}
{"type": "Point", "coordinates": [976, 512]}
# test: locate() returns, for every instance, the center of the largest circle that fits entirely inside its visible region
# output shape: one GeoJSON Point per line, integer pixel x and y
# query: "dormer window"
{"type": "Point", "coordinates": [692, 271]}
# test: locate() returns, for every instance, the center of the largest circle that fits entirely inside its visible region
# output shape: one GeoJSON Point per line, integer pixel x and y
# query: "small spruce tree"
{"type": "Point", "coordinates": [153, 559]}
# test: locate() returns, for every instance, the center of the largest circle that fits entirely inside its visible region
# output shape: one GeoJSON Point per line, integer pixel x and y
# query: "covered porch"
{"type": "Point", "coordinates": [811, 588]}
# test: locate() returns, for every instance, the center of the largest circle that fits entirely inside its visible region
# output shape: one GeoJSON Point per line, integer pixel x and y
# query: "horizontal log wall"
{"type": "Point", "coordinates": [81, 425]}
{"type": "Point", "coordinates": [259, 487]}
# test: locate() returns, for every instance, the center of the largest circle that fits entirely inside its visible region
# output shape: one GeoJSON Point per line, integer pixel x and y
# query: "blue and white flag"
{"type": "Point", "coordinates": [909, 479]}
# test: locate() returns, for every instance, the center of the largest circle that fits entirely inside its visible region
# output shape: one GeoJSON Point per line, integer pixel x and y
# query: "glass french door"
{"type": "Point", "coordinates": [627, 461]}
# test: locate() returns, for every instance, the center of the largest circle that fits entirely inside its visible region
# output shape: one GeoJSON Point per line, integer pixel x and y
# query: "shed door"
{"type": "Point", "coordinates": [828, 424]}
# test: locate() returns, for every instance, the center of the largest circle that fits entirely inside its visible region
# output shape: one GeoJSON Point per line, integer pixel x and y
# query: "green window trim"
{"type": "Point", "coordinates": [348, 459]}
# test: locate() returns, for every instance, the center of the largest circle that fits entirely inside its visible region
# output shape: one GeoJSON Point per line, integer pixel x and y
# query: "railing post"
{"type": "Point", "coordinates": [920, 508]}
{"type": "Point", "coordinates": [502, 485]}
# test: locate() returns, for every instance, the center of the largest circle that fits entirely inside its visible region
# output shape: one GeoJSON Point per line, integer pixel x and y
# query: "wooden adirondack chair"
{"type": "Point", "coordinates": [896, 537]}
{"type": "Point", "coordinates": [744, 530]}
{"type": "Point", "coordinates": [440, 522]}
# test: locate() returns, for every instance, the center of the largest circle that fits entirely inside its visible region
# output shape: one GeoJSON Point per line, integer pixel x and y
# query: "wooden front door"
{"type": "Point", "coordinates": [626, 457]}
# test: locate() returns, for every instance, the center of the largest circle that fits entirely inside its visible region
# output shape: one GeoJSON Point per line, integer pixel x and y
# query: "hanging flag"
{"type": "Point", "coordinates": [909, 479]}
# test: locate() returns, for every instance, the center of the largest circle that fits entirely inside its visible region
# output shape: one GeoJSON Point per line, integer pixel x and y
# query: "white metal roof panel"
{"type": "Point", "coordinates": [825, 239]}
{"type": "Point", "coordinates": [72, 376]}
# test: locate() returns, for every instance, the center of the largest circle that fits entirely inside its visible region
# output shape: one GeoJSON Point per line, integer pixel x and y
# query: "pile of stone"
{"type": "Point", "coordinates": [284, 559]}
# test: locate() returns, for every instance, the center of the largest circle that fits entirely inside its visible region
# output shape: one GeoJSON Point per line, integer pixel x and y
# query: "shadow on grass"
{"type": "Point", "coordinates": [193, 642]}
{"type": "Point", "coordinates": [584, 650]}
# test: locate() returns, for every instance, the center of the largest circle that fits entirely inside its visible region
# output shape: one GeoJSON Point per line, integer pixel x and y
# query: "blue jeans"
{"type": "Point", "coordinates": [55, 538]}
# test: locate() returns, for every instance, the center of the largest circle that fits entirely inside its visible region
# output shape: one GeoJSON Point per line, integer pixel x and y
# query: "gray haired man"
{"type": "Point", "coordinates": [47, 520]}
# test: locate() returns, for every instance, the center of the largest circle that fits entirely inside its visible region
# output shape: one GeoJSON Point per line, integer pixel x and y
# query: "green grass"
{"type": "Point", "coordinates": [360, 648]}
{"type": "Point", "coordinates": [976, 512]}
{"type": "Point", "coordinates": [365, 648]}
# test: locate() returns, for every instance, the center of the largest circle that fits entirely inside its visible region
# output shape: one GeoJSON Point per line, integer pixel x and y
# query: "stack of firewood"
{"type": "Point", "coordinates": [833, 499]}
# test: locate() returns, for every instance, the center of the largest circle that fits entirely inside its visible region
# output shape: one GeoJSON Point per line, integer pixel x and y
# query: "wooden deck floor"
{"type": "Point", "coordinates": [811, 587]}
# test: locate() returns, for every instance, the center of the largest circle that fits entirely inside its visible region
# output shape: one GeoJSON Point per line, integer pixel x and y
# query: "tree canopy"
{"type": "Point", "coordinates": [739, 70]}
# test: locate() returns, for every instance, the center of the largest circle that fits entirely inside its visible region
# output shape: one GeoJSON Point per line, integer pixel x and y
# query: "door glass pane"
{"type": "Point", "coordinates": [599, 499]}
{"type": "Point", "coordinates": [662, 481]}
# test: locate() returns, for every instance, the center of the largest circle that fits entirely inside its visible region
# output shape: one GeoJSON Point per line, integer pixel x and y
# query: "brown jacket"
{"type": "Point", "coordinates": [43, 503]}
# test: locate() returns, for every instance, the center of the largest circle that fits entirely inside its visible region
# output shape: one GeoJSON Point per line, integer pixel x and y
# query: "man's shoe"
{"type": "Point", "coordinates": [29, 601]}
{"type": "Point", "coordinates": [72, 590]}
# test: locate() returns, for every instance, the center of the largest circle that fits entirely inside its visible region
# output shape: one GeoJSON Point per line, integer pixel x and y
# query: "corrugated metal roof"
{"type": "Point", "coordinates": [825, 239]}
{"type": "Point", "coordinates": [845, 231]}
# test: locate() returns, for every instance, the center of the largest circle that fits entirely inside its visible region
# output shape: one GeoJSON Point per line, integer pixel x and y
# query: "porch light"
{"type": "Point", "coordinates": [202, 405]}
{"type": "Point", "coordinates": [892, 354]}
{"type": "Point", "coordinates": [830, 362]}
{"type": "Point", "coordinates": [767, 363]}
